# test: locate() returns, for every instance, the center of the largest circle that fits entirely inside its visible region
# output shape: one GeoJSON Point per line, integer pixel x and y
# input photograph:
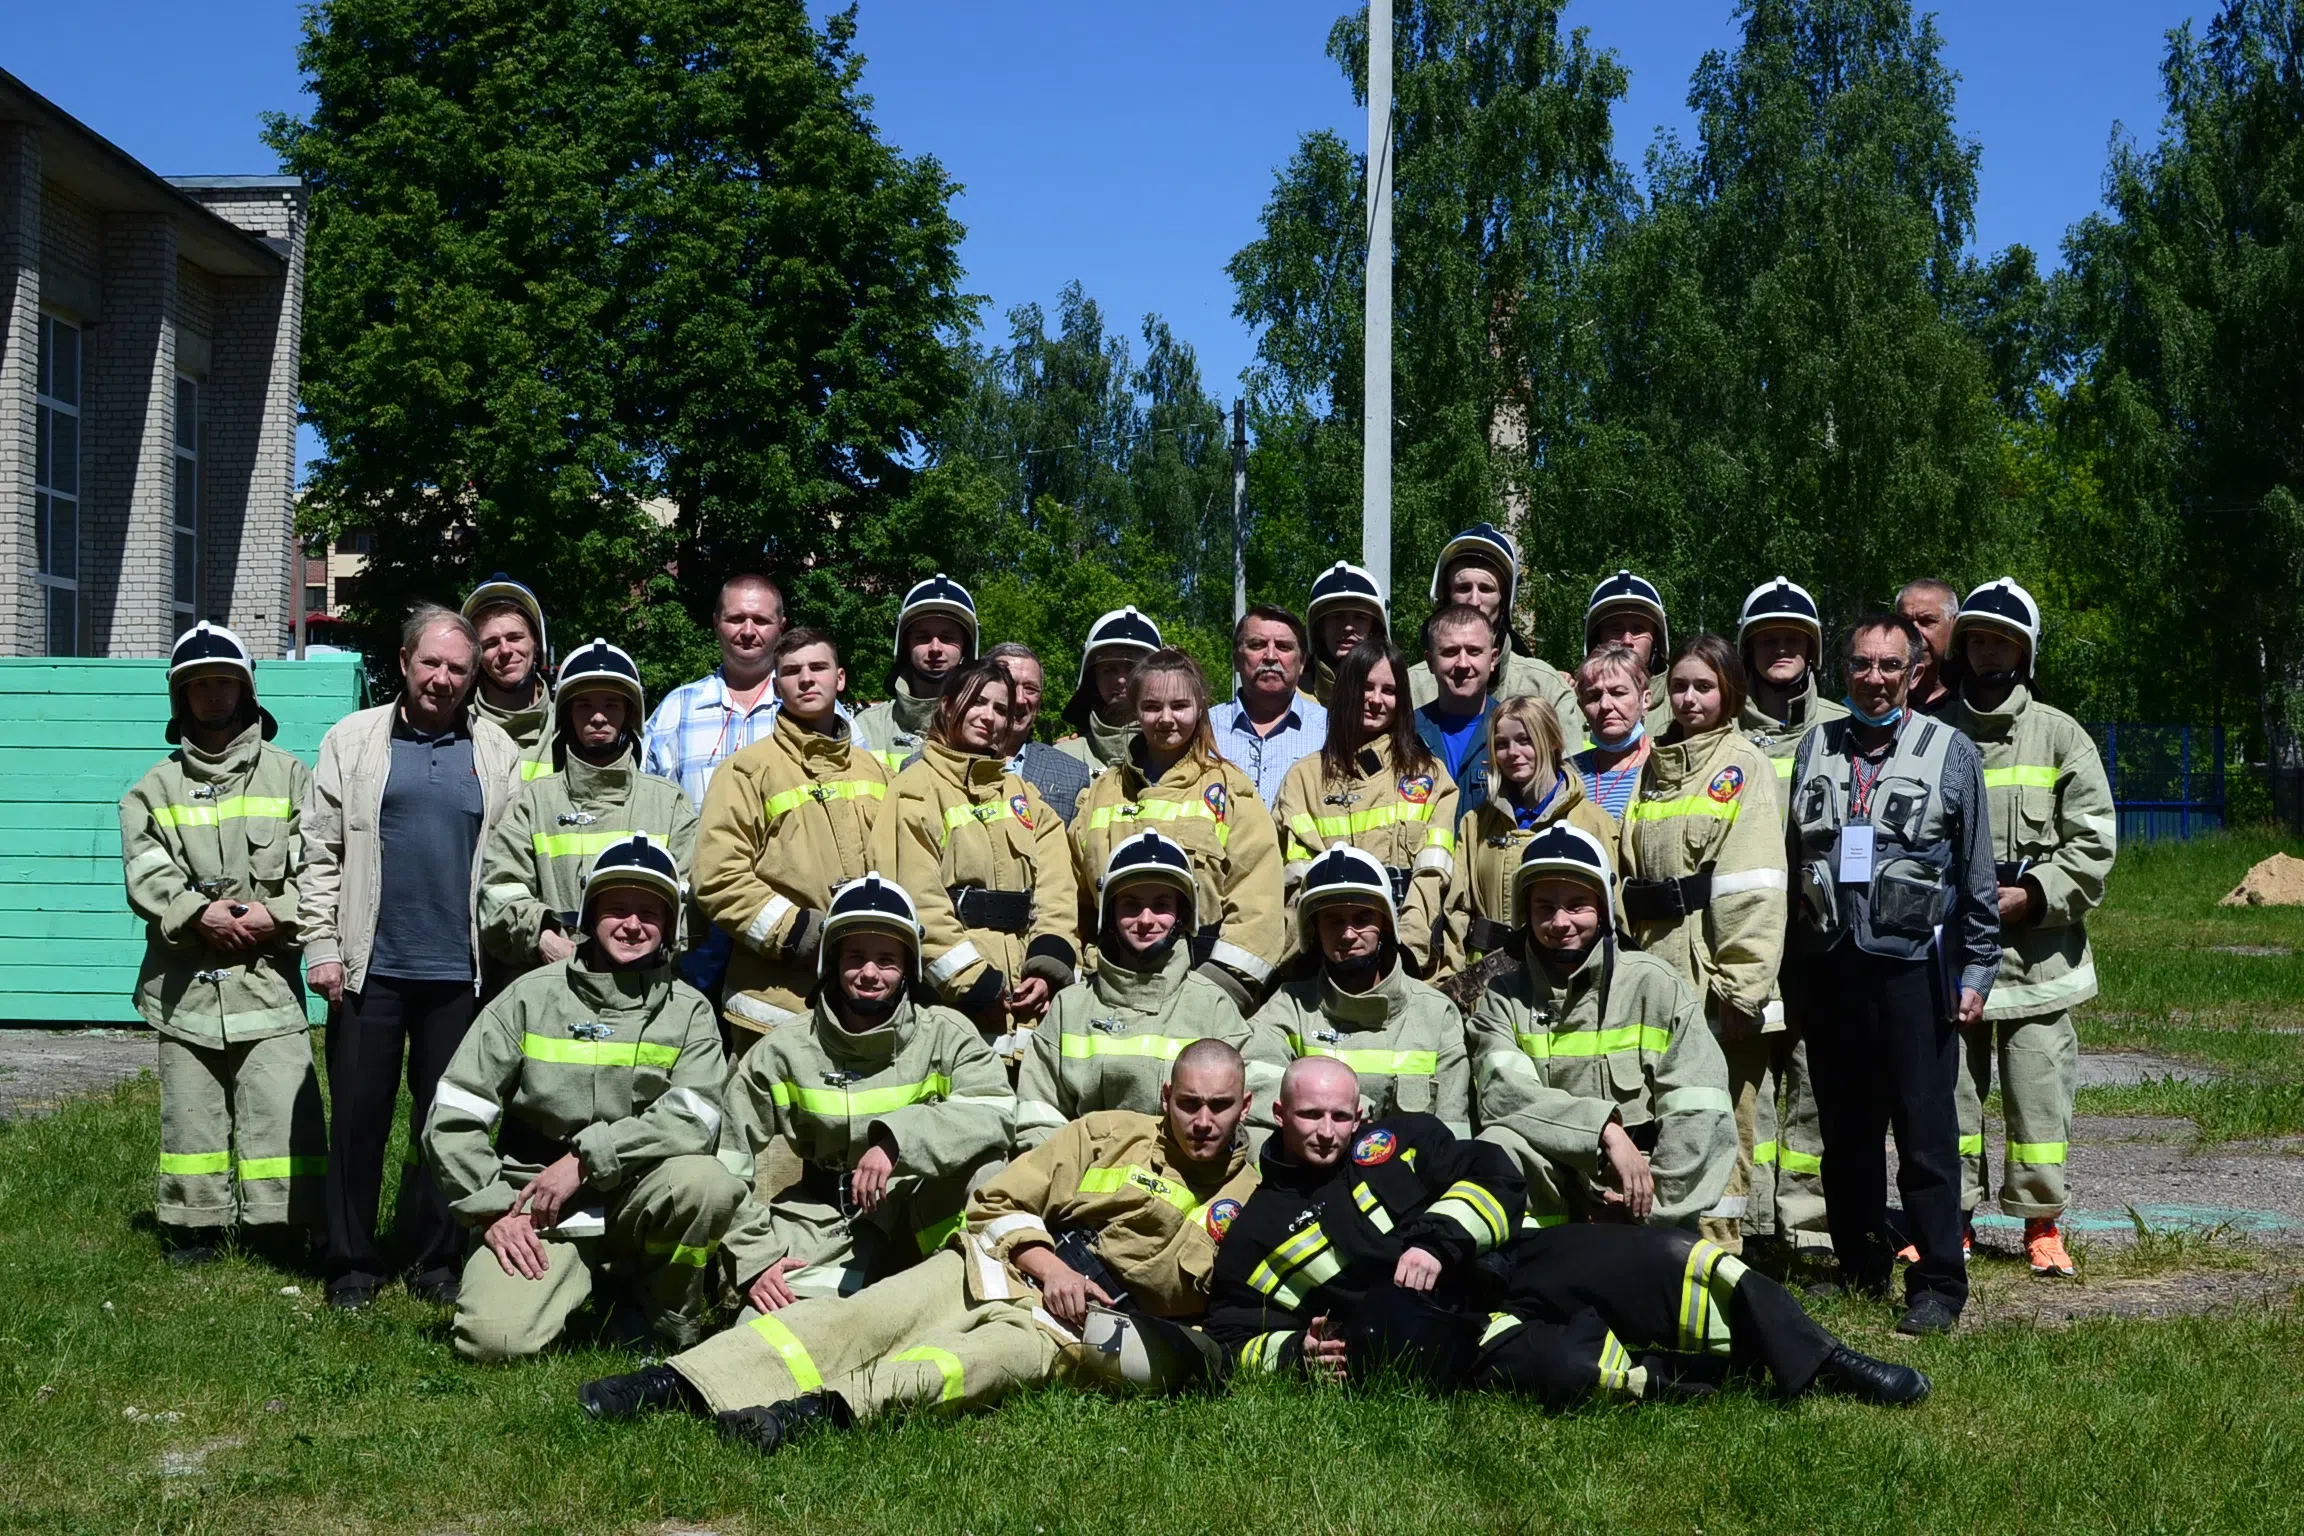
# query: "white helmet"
{"type": "Point", "coordinates": [1781, 604]}
{"type": "Point", "coordinates": [1563, 852]}
{"type": "Point", "coordinates": [1489, 545]}
{"type": "Point", "coordinates": [2004, 606]}
{"type": "Point", "coordinates": [938, 595]}
{"type": "Point", "coordinates": [870, 904]}
{"type": "Point", "coordinates": [1344, 874]}
{"type": "Point", "coordinates": [1638, 594]}
{"type": "Point", "coordinates": [1148, 856]}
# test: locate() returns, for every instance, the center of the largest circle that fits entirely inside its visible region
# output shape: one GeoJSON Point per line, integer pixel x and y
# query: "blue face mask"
{"type": "Point", "coordinates": [1631, 737]}
{"type": "Point", "coordinates": [1857, 710]}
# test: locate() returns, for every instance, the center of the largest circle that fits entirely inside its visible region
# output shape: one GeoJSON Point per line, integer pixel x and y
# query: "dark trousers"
{"type": "Point", "coordinates": [1885, 1055]}
{"type": "Point", "coordinates": [425, 1020]}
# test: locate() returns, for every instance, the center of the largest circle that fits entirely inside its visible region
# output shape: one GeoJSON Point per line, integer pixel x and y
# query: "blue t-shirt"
{"type": "Point", "coordinates": [427, 834]}
{"type": "Point", "coordinates": [1459, 734]}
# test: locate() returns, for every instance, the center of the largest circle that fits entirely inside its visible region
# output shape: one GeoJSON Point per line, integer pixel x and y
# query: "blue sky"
{"type": "Point", "coordinates": [1131, 146]}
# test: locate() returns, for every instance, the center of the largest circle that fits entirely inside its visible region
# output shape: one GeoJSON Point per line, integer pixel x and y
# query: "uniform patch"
{"type": "Point", "coordinates": [1023, 809]}
{"type": "Point", "coordinates": [1221, 1216]}
{"type": "Point", "coordinates": [1375, 1147]}
{"type": "Point", "coordinates": [1727, 784]}
{"type": "Point", "coordinates": [1217, 803]}
{"type": "Point", "coordinates": [1416, 790]}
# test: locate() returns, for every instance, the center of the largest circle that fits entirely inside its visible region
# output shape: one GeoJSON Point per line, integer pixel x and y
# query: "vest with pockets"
{"type": "Point", "coordinates": [1896, 913]}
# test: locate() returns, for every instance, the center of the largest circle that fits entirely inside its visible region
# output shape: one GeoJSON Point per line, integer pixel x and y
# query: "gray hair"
{"type": "Point", "coordinates": [1611, 658]}
{"type": "Point", "coordinates": [1936, 585]}
{"type": "Point", "coordinates": [426, 617]}
{"type": "Point", "coordinates": [1874, 623]}
{"type": "Point", "coordinates": [1013, 650]}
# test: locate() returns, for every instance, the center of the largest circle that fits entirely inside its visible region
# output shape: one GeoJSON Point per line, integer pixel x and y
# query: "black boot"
{"type": "Point", "coordinates": [190, 1247]}
{"type": "Point", "coordinates": [649, 1390]}
{"type": "Point", "coordinates": [1875, 1381]}
{"type": "Point", "coordinates": [1674, 1378]}
{"type": "Point", "coordinates": [771, 1428]}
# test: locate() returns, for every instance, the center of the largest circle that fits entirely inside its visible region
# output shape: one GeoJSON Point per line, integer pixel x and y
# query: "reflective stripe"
{"type": "Point", "coordinates": [958, 816]}
{"type": "Point", "coordinates": [1000, 1226]}
{"type": "Point", "coordinates": [1748, 880]}
{"type": "Point", "coordinates": [1369, 820]}
{"type": "Point", "coordinates": [699, 1108]}
{"type": "Point", "coordinates": [945, 1361]}
{"type": "Point", "coordinates": [1686, 805]}
{"type": "Point", "coordinates": [953, 961]}
{"type": "Point", "coordinates": [185, 1165]}
{"type": "Point", "coordinates": [787, 1344]}
{"type": "Point", "coordinates": [683, 1253]}
{"type": "Point", "coordinates": [1475, 1210]}
{"type": "Point", "coordinates": [2037, 1152]}
{"type": "Point", "coordinates": [561, 845]}
{"type": "Point", "coordinates": [1435, 858]}
{"type": "Point", "coordinates": [1615, 1365]}
{"type": "Point", "coordinates": [1798, 1162]}
{"type": "Point", "coordinates": [790, 800]}
{"type": "Point", "coordinates": [1293, 1257]}
{"type": "Point", "coordinates": [149, 859]}
{"type": "Point", "coordinates": [766, 1015]}
{"type": "Point", "coordinates": [1597, 1042]}
{"type": "Point", "coordinates": [1372, 1208]}
{"type": "Point", "coordinates": [1773, 1012]}
{"type": "Point", "coordinates": [1783, 766]}
{"type": "Point", "coordinates": [1972, 1146]}
{"type": "Point", "coordinates": [2099, 825]}
{"type": "Point", "coordinates": [1379, 1063]}
{"type": "Point", "coordinates": [847, 1103]}
{"type": "Point", "coordinates": [1264, 1352]}
{"type": "Point", "coordinates": [509, 890]}
{"type": "Point", "coordinates": [597, 1053]}
{"type": "Point", "coordinates": [1703, 1326]}
{"type": "Point", "coordinates": [447, 1093]}
{"type": "Point", "coordinates": [1693, 1100]}
{"type": "Point", "coordinates": [1730, 1208]}
{"type": "Point", "coordinates": [532, 768]}
{"type": "Point", "coordinates": [2022, 776]}
{"type": "Point", "coordinates": [766, 919]}
{"type": "Point", "coordinates": [2051, 996]}
{"type": "Point", "coordinates": [1084, 1047]}
{"type": "Point", "coordinates": [1105, 1181]}
{"type": "Point", "coordinates": [1764, 1153]}
{"type": "Point", "coordinates": [1535, 1223]}
{"type": "Point", "coordinates": [1159, 810]}
{"type": "Point", "coordinates": [1499, 1324]}
{"type": "Point", "coordinates": [232, 808]}
{"type": "Point", "coordinates": [737, 1161]}
{"type": "Point", "coordinates": [1238, 959]}
{"type": "Point", "coordinates": [1031, 1114]}
{"type": "Point", "coordinates": [934, 1237]}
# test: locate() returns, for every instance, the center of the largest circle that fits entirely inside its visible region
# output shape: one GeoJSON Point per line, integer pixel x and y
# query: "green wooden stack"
{"type": "Point", "coordinates": [74, 735]}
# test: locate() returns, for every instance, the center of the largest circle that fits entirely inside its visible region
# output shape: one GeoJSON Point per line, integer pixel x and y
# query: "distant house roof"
{"type": "Point", "coordinates": [95, 168]}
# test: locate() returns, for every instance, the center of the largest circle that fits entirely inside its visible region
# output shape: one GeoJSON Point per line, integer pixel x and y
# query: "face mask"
{"type": "Point", "coordinates": [1632, 736]}
{"type": "Point", "coordinates": [1889, 718]}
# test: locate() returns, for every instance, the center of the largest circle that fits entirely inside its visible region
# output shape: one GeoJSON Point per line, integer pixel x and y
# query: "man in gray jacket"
{"type": "Point", "coordinates": [388, 909]}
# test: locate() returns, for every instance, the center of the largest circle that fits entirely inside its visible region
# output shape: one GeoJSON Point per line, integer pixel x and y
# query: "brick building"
{"type": "Point", "coordinates": [149, 329]}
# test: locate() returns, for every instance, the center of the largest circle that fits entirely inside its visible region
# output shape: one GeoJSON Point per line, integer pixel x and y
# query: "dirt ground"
{"type": "Point", "coordinates": [38, 1067]}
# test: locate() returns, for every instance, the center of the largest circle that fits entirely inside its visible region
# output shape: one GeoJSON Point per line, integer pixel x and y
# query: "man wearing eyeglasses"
{"type": "Point", "coordinates": [1897, 928]}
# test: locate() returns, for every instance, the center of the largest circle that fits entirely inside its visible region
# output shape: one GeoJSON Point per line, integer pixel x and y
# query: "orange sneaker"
{"type": "Point", "coordinates": [2044, 1246]}
{"type": "Point", "coordinates": [1968, 1237]}
{"type": "Point", "coordinates": [1908, 1254]}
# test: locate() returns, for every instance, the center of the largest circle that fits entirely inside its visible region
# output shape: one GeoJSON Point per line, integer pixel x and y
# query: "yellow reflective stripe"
{"type": "Point", "coordinates": [1764, 1152]}
{"type": "Point", "coordinates": [234, 808]}
{"type": "Point", "coordinates": [832, 789]}
{"type": "Point", "coordinates": [1535, 1223]}
{"type": "Point", "coordinates": [868, 1101]}
{"type": "Point", "coordinates": [1972, 1146]}
{"type": "Point", "coordinates": [1379, 1063]}
{"type": "Point", "coordinates": [597, 1053]}
{"type": "Point", "coordinates": [1368, 820]}
{"type": "Point", "coordinates": [1378, 1217]}
{"type": "Point", "coordinates": [1441, 837]}
{"type": "Point", "coordinates": [1499, 1324]}
{"type": "Point", "coordinates": [1799, 1162]}
{"type": "Point", "coordinates": [1159, 810]}
{"type": "Point", "coordinates": [945, 1362]}
{"type": "Point", "coordinates": [957, 816]}
{"type": "Point", "coordinates": [559, 845]}
{"type": "Point", "coordinates": [1084, 1047]}
{"type": "Point", "coordinates": [934, 1237]}
{"type": "Point", "coordinates": [1314, 1273]}
{"type": "Point", "coordinates": [893, 760]}
{"type": "Point", "coordinates": [2035, 1151]}
{"type": "Point", "coordinates": [1263, 1352]}
{"type": "Point", "coordinates": [782, 1340]}
{"type": "Point", "coordinates": [1615, 1365]}
{"type": "Point", "coordinates": [1597, 1042]}
{"type": "Point", "coordinates": [1105, 1181]}
{"type": "Point", "coordinates": [252, 1168]}
{"type": "Point", "coordinates": [1287, 1256]}
{"type": "Point", "coordinates": [1478, 1197]}
{"type": "Point", "coordinates": [1474, 1225]}
{"type": "Point", "coordinates": [184, 1165]}
{"type": "Point", "coordinates": [1686, 805]}
{"type": "Point", "coordinates": [1696, 1297]}
{"type": "Point", "coordinates": [1783, 766]}
{"type": "Point", "coordinates": [684, 1253]}
{"type": "Point", "coordinates": [2022, 776]}
{"type": "Point", "coordinates": [535, 768]}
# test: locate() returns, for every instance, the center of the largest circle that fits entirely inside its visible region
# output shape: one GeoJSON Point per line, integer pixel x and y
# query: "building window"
{"type": "Point", "coordinates": [316, 599]}
{"type": "Point", "coordinates": [347, 591]}
{"type": "Point", "coordinates": [187, 590]}
{"type": "Point", "coordinates": [356, 543]}
{"type": "Point", "coordinates": [56, 482]}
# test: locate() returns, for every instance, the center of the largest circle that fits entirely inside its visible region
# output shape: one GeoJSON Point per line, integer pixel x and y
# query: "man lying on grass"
{"type": "Point", "coordinates": [1398, 1246]}
{"type": "Point", "coordinates": [1083, 1261]}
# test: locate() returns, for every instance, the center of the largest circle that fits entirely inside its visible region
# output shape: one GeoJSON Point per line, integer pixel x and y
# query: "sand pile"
{"type": "Point", "coordinates": [2277, 882]}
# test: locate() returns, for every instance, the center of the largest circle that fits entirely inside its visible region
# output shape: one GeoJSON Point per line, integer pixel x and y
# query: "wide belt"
{"type": "Point", "coordinates": [1401, 875]}
{"type": "Point", "coordinates": [1667, 901]}
{"type": "Point", "coordinates": [1000, 911]}
{"type": "Point", "coordinates": [1485, 936]}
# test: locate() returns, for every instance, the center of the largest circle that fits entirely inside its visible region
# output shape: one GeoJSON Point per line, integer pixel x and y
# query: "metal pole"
{"type": "Point", "coordinates": [1239, 509]}
{"type": "Point", "coordinates": [1376, 359]}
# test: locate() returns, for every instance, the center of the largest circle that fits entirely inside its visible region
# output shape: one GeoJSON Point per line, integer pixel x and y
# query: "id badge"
{"type": "Point", "coordinates": [1856, 854]}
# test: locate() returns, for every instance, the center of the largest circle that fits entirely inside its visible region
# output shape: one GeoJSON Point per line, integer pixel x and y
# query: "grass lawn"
{"type": "Point", "coordinates": [137, 1398]}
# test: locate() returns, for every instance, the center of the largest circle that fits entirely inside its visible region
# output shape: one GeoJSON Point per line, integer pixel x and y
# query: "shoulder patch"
{"type": "Point", "coordinates": [1375, 1147]}
{"type": "Point", "coordinates": [1416, 789]}
{"type": "Point", "coordinates": [1217, 801]}
{"type": "Point", "coordinates": [1022, 806]}
{"type": "Point", "coordinates": [1727, 784]}
{"type": "Point", "coordinates": [1220, 1217]}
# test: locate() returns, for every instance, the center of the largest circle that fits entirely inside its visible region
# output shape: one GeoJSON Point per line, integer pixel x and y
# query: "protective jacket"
{"type": "Point", "coordinates": [924, 1078]}
{"type": "Point", "coordinates": [1703, 868]}
{"type": "Point", "coordinates": [530, 728]}
{"type": "Point", "coordinates": [1624, 1036]}
{"type": "Point", "coordinates": [2054, 828]}
{"type": "Point", "coordinates": [896, 727]}
{"type": "Point", "coordinates": [990, 867]}
{"type": "Point", "coordinates": [1117, 1175]}
{"type": "Point", "coordinates": [200, 826]}
{"type": "Point", "coordinates": [1101, 746]}
{"type": "Point", "coordinates": [1404, 1039]}
{"type": "Point", "coordinates": [1110, 1038]}
{"type": "Point", "coordinates": [786, 822]}
{"type": "Point", "coordinates": [1779, 740]}
{"type": "Point", "coordinates": [1408, 821]}
{"type": "Point", "coordinates": [1216, 815]}
{"type": "Point", "coordinates": [1520, 677]}
{"type": "Point", "coordinates": [623, 1068]}
{"type": "Point", "coordinates": [533, 861]}
{"type": "Point", "coordinates": [1481, 918]}
{"type": "Point", "coordinates": [1312, 1241]}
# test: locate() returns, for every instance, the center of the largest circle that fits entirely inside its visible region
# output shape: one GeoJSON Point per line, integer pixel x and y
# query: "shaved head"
{"type": "Point", "coordinates": [1204, 1100]}
{"type": "Point", "coordinates": [1323, 1076]}
{"type": "Point", "coordinates": [1319, 1110]}
{"type": "Point", "coordinates": [1205, 1059]}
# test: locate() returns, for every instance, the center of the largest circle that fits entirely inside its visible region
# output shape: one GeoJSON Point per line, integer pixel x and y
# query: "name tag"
{"type": "Point", "coordinates": [1856, 854]}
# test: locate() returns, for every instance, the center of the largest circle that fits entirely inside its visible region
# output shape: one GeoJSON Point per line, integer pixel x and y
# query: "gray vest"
{"type": "Point", "coordinates": [1895, 913]}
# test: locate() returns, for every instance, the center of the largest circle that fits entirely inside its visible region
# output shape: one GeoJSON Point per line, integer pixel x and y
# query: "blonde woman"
{"type": "Point", "coordinates": [1534, 789]}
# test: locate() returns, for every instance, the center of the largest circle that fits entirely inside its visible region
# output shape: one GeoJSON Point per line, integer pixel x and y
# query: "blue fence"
{"type": "Point", "coordinates": [2168, 781]}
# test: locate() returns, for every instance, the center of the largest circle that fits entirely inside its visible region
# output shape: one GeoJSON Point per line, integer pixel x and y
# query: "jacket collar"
{"type": "Point", "coordinates": [589, 784]}
{"type": "Point", "coordinates": [1995, 722]}
{"type": "Point", "coordinates": [1800, 710]}
{"type": "Point", "coordinates": [1122, 986]}
{"type": "Point", "coordinates": [237, 760]}
{"type": "Point", "coordinates": [972, 775]}
{"type": "Point", "coordinates": [865, 1050]}
{"type": "Point", "coordinates": [914, 712]}
{"type": "Point", "coordinates": [619, 992]}
{"type": "Point", "coordinates": [830, 744]}
{"type": "Point", "coordinates": [1560, 1000]}
{"type": "Point", "coordinates": [1372, 1009]}
{"type": "Point", "coordinates": [1674, 761]}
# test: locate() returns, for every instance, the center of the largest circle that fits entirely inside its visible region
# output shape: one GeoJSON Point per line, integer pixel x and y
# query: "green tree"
{"type": "Point", "coordinates": [570, 259]}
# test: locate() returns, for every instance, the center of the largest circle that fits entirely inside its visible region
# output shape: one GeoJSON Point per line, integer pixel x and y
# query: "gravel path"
{"type": "Point", "coordinates": [38, 1067]}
